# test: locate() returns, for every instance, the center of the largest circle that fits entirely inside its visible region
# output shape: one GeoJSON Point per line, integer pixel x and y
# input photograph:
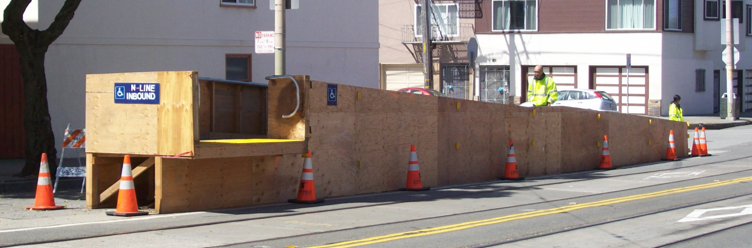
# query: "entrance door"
{"type": "Point", "coordinates": [455, 81]}
{"type": "Point", "coordinates": [494, 84]}
{"type": "Point", "coordinates": [13, 135]}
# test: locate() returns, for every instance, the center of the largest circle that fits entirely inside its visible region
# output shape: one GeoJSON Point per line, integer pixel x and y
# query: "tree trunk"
{"type": "Point", "coordinates": [39, 134]}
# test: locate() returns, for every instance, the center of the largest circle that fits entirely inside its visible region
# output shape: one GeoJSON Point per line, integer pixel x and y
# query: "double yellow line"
{"type": "Point", "coordinates": [471, 224]}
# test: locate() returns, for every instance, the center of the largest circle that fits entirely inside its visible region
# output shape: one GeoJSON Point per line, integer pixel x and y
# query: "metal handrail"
{"type": "Point", "coordinates": [297, 92]}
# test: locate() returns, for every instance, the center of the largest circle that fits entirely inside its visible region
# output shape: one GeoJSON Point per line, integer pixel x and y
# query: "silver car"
{"type": "Point", "coordinates": [587, 99]}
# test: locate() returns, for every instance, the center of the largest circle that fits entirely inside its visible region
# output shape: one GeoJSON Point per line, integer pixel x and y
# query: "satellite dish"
{"type": "Point", "coordinates": [472, 50]}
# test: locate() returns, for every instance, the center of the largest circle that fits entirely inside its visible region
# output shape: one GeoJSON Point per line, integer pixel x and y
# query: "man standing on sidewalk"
{"type": "Point", "coordinates": [542, 91]}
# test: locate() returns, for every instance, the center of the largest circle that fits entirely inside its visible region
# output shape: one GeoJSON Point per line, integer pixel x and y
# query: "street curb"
{"type": "Point", "coordinates": [718, 126]}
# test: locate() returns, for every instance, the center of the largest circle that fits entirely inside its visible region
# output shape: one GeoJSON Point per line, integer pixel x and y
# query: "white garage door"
{"type": "Point", "coordinates": [614, 81]}
{"type": "Point", "coordinates": [403, 76]}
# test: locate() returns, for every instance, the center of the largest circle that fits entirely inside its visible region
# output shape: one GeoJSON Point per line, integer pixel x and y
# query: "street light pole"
{"type": "Point", "coordinates": [730, 64]}
{"type": "Point", "coordinates": [279, 37]}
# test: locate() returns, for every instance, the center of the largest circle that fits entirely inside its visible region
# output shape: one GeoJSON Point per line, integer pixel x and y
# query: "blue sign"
{"type": "Point", "coordinates": [331, 94]}
{"type": "Point", "coordinates": [137, 93]}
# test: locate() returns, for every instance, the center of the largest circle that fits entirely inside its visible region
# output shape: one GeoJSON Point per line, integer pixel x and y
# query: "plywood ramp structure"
{"type": "Point", "coordinates": [234, 148]}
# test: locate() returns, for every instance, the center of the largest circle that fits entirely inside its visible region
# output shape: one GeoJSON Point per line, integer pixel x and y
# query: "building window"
{"type": "Point", "coordinates": [515, 15]}
{"type": "Point", "coordinates": [238, 3]}
{"type": "Point", "coordinates": [238, 67]}
{"type": "Point", "coordinates": [630, 14]}
{"type": "Point", "coordinates": [737, 8]}
{"type": "Point", "coordinates": [444, 20]}
{"type": "Point", "coordinates": [700, 80]}
{"type": "Point", "coordinates": [672, 15]}
{"type": "Point", "coordinates": [712, 11]}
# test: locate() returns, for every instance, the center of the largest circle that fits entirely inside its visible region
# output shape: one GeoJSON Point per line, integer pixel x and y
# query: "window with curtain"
{"type": "Point", "coordinates": [711, 10]}
{"type": "Point", "coordinates": [630, 14]}
{"type": "Point", "coordinates": [672, 15]}
{"type": "Point", "coordinates": [444, 20]}
{"type": "Point", "coordinates": [515, 15]}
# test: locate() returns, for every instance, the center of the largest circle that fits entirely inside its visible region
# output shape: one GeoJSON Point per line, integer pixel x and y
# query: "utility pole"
{"type": "Point", "coordinates": [730, 64]}
{"type": "Point", "coordinates": [427, 51]}
{"type": "Point", "coordinates": [279, 37]}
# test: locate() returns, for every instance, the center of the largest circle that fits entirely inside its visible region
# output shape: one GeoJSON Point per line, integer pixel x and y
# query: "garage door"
{"type": "Point", "coordinates": [403, 76]}
{"type": "Point", "coordinates": [614, 81]}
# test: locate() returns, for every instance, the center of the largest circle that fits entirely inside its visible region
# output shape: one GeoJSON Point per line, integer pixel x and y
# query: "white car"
{"type": "Point", "coordinates": [586, 99]}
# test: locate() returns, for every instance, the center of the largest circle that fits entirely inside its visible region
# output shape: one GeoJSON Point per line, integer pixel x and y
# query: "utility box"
{"type": "Point", "coordinates": [724, 106]}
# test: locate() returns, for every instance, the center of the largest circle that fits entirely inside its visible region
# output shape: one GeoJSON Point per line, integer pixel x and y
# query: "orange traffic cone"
{"type": "Point", "coordinates": [671, 149]}
{"type": "Point", "coordinates": [605, 155]}
{"type": "Point", "coordinates": [44, 199]}
{"type": "Point", "coordinates": [414, 183]}
{"type": "Point", "coordinates": [510, 171]}
{"type": "Point", "coordinates": [696, 144]}
{"type": "Point", "coordinates": [307, 190]}
{"type": "Point", "coordinates": [126, 205]}
{"type": "Point", "coordinates": [703, 144]}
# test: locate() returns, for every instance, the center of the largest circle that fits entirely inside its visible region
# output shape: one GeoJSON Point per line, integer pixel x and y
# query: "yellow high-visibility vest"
{"type": "Point", "coordinates": [542, 92]}
{"type": "Point", "coordinates": [674, 113]}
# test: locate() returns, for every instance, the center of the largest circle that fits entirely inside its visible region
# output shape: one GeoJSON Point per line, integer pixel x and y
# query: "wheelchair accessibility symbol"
{"type": "Point", "coordinates": [119, 92]}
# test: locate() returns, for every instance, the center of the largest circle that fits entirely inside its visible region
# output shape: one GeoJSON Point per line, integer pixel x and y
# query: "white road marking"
{"type": "Point", "coordinates": [666, 175]}
{"type": "Point", "coordinates": [697, 214]}
{"type": "Point", "coordinates": [98, 222]}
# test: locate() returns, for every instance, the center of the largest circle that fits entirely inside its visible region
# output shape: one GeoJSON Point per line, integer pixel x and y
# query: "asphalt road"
{"type": "Point", "coordinates": [695, 202]}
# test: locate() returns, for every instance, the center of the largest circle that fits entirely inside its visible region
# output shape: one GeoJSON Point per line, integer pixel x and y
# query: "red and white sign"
{"type": "Point", "coordinates": [264, 41]}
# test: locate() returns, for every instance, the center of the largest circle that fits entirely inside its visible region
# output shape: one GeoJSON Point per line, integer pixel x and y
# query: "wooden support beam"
{"type": "Point", "coordinates": [113, 189]}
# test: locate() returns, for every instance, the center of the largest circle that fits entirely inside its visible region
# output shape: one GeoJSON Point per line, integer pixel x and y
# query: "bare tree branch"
{"type": "Point", "coordinates": [61, 22]}
{"type": "Point", "coordinates": [13, 24]}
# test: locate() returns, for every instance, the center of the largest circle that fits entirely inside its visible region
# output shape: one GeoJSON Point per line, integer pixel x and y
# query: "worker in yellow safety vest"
{"type": "Point", "coordinates": [542, 91]}
{"type": "Point", "coordinates": [675, 110]}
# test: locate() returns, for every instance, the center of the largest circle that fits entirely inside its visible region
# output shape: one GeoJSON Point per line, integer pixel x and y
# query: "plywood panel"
{"type": "Point", "coordinates": [334, 154]}
{"type": "Point", "coordinates": [176, 112]}
{"type": "Point", "coordinates": [582, 132]}
{"type": "Point", "coordinates": [282, 101]}
{"type": "Point", "coordinates": [204, 184]}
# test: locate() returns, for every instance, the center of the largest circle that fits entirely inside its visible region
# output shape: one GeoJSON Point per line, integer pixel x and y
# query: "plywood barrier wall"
{"type": "Point", "coordinates": [361, 145]}
{"type": "Point", "coordinates": [146, 129]}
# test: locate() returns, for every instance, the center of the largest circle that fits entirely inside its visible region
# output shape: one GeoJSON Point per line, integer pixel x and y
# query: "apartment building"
{"type": "Point", "coordinates": [673, 46]}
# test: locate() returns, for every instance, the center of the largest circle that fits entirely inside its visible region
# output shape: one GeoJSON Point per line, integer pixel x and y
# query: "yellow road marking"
{"type": "Point", "coordinates": [471, 224]}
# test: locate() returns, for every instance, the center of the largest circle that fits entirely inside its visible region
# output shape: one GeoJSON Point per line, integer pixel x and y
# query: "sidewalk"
{"type": "Point", "coordinates": [715, 122]}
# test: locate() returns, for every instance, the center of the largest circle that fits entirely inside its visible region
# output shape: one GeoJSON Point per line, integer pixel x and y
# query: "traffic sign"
{"type": "Point", "coordinates": [264, 41]}
{"type": "Point", "coordinates": [724, 56]}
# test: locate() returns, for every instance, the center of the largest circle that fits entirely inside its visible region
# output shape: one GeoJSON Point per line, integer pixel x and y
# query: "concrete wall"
{"type": "Point", "coordinates": [335, 40]}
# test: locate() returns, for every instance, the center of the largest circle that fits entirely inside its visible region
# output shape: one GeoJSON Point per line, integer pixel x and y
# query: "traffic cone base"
{"type": "Point", "coordinates": [44, 198]}
{"type": "Point", "coordinates": [114, 213]}
{"type": "Point", "coordinates": [414, 181]}
{"type": "Point", "coordinates": [307, 189]}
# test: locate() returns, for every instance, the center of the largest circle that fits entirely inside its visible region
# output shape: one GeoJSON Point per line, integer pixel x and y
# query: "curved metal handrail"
{"type": "Point", "coordinates": [297, 92]}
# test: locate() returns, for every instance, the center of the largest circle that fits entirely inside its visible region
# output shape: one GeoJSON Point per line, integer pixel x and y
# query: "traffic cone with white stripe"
{"type": "Point", "coordinates": [414, 182]}
{"type": "Point", "coordinates": [510, 171]}
{"type": "Point", "coordinates": [605, 155]}
{"type": "Point", "coordinates": [671, 150]}
{"type": "Point", "coordinates": [696, 144]}
{"type": "Point", "coordinates": [703, 144]}
{"type": "Point", "coordinates": [307, 190]}
{"type": "Point", "coordinates": [127, 205]}
{"type": "Point", "coordinates": [44, 199]}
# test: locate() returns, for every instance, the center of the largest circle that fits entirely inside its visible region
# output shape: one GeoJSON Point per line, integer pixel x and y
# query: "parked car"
{"type": "Point", "coordinates": [421, 91]}
{"type": "Point", "coordinates": [587, 99]}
